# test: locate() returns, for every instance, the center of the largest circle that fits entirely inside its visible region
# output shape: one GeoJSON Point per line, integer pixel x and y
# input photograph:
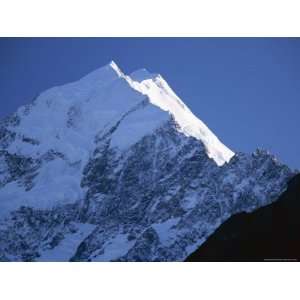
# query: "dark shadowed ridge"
{"type": "Point", "coordinates": [269, 234]}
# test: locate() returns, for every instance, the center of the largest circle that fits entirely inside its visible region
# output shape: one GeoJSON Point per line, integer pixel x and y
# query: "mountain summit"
{"type": "Point", "coordinates": [142, 100]}
{"type": "Point", "coordinates": [117, 167]}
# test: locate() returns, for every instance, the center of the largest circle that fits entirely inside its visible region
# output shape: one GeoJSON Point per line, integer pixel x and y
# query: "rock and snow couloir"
{"type": "Point", "coordinates": [116, 167]}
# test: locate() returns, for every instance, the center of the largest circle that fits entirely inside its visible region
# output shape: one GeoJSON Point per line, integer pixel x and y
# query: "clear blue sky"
{"type": "Point", "coordinates": [246, 90]}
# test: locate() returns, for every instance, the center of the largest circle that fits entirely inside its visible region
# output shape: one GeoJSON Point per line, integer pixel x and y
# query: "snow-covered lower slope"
{"type": "Point", "coordinates": [116, 167]}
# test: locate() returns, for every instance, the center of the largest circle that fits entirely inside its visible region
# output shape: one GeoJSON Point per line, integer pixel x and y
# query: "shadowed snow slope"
{"type": "Point", "coordinates": [116, 167]}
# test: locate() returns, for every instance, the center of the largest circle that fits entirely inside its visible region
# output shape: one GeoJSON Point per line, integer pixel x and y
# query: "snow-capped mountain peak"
{"type": "Point", "coordinates": [117, 167]}
{"type": "Point", "coordinates": [70, 119]}
{"type": "Point", "coordinates": [106, 95]}
{"type": "Point", "coordinates": [160, 94]}
{"type": "Point", "coordinates": [114, 66]}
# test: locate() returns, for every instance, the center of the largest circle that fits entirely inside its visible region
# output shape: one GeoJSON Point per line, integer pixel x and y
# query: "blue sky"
{"type": "Point", "coordinates": [246, 90]}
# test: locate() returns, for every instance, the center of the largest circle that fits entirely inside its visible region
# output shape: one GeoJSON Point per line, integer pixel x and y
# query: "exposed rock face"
{"type": "Point", "coordinates": [117, 168]}
{"type": "Point", "coordinates": [271, 233]}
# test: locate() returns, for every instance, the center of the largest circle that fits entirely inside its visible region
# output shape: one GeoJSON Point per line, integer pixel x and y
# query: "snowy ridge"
{"type": "Point", "coordinates": [105, 95]}
{"type": "Point", "coordinates": [160, 94]}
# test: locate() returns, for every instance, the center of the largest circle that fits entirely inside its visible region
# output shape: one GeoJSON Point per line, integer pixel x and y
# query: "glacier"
{"type": "Point", "coordinates": [116, 167]}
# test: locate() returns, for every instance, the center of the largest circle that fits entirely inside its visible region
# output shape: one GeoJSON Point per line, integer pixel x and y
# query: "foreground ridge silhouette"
{"type": "Point", "coordinates": [270, 233]}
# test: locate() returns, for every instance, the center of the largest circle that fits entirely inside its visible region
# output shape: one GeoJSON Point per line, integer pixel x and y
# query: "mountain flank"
{"type": "Point", "coordinates": [270, 233]}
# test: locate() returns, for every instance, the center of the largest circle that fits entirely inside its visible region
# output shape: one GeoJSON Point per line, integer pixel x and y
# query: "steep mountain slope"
{"type": "Point", "coordinates": [270, 233]}
{"type": "Point", "coordinates": [116, 167]}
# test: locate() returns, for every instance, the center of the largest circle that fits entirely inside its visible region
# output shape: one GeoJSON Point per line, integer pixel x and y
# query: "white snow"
{"type": "Point", "coordinates": [115, 248]}
{"type": "Point", "coordinates": [138, 124]}
{"type": "Point", "coordinates": [65, 249]}
{"type": "Point", "coordinates": [190, 200]}
{"type": "Point", "coordinates": [161, 95]}
{"type": "Point", "coordinates": [57, 183]}
{"type": "Point", "coordinates": [98, 101]}
{"type": "Point", "coordinates": [67, 119]}
{"type": "Point", "coordinates": [164, 230]}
